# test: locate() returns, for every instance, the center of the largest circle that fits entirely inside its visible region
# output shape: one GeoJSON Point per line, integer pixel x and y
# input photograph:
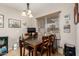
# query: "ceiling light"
{"type": "Point", "coordinates": [30, 15]}
{"type": "Point", "coordinates": [24, 13]}
{"type": "Point", "coordinates": [29, 12]}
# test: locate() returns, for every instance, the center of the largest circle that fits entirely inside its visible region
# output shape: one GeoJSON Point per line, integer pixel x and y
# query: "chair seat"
{"type": "Point", "coordinates": [42, 50]}
{"type": "Point", "coordinates": [28, 47]}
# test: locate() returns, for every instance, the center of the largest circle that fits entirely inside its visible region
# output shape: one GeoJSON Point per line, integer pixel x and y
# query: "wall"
{"type": "Point", "coordinates": [13, 33]}
{"type": "Point", "coordinates": [69, 38]}
{"type": "Point", "coordinates": [77, 41]}
{"type": "Point", "coordinates": [66, 9]}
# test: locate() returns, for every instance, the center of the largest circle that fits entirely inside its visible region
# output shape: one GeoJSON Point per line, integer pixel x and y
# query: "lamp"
{"type": "Point", "coordinates": [28, 13]}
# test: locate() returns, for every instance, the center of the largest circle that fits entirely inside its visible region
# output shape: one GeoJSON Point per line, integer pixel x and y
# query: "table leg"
{"type": "Point", "coordinates": [20, 47]}
{"type": "Point", "coordinates": [56, 47]}
{"type": "Point", "coordinates": [50, 48]}
{"type": "Point", "coordinates": [20, 51]}
{"type": "Point", "coordinates": [35, 51]}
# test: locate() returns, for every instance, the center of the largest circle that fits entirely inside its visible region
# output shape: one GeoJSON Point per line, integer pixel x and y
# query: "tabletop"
{"type": "Point", "coordinates": [34, 41]}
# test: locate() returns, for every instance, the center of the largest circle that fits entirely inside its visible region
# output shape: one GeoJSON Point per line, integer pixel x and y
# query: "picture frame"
{"type": "Point", "coordinates": [14, 23]}
{"type": "Point", "coordinates": [1, 21]}
{"type": "Point", "coordinates": [67, 28]}
{"type": "Point", "coordinates": [67, 17]}
{"type": "Point", "coordinates": [76, 13]}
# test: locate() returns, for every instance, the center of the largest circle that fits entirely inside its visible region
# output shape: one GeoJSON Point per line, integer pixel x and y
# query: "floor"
{"type": "Point", "coordinates": [17, 53]}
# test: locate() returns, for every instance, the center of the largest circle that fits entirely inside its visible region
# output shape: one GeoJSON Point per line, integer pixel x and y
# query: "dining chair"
{"type": "Point", "coordinates": [43, 48]}
{"type": "Point", "coordinates": [51, 43]}
{"type": "Point", "coordinates": [27, 46]}
{"type": "Point", "coordinates": [30, 49]}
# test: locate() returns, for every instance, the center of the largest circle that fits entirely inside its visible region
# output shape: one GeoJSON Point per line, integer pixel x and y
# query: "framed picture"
{"type": "Point", "coordinates": [76, 13]}
{"type": "Point", "coordinates": [67, 28]}
{"type": "Point", "coordinates": [1, 21]}
{"type": "Point", "coordinates": [67, 17]}
{"type": "Point", "coordinates": [14, 23]}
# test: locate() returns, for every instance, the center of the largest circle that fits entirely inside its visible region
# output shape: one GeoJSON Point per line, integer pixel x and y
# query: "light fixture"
{"type": "Point", "coordinates": [27, 12]}
{"type": "Point", "coordinates": [30, 15]}
{"type": "Point", "coordinates": [24, 13]}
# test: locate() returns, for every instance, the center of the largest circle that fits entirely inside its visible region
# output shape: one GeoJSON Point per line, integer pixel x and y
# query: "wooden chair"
{"type": "Point", "coordinates": [34, 34]}
{"type": "Point", "coordinates": [30, 49]}
{"type": "Point", "coordinates": [43, 48]}
{"type": "Point", "coordinates": [26, 46]}
{"type": "Point", "coordinates": [51, 43]}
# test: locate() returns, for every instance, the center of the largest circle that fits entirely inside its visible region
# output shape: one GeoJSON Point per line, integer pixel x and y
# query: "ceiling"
{"type": "Point", "coordinates": [37, 8]}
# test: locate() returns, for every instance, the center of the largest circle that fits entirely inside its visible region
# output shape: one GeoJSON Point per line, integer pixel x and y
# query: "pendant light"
{"type": "Point", "coordinates": [24, 13]}
{"type": "Point", "coordinates": [27, 12]}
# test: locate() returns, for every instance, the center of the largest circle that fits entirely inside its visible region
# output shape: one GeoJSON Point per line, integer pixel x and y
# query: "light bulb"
{"type": "Point", "coordinates": [29, 11]}
{"type": "Point", "coordinates": [24, 13]}
{"type": "Point", "coordinates": [30, 15]}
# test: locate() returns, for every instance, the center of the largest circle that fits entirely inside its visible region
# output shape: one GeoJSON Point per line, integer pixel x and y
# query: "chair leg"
{"type": "Point", "coordinates": [50, 50]}
{"type": "Point", "coordinates": [47, 52]}
{"type": "Point", "coordinates": [36, 53]}
{"type": "Point", "coordinates": [53, 50]}
{"type": "Point", "coordinates": [32, 53]}
{"type": "Point", "coordinates": [24, 52]}
{"type": "Point", "coordinates": [29, 52]}
{"type": "Point", "coordinates": [41, 54]}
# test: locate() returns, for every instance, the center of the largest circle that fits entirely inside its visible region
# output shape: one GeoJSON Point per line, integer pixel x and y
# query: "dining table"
{"type": "Point", "coordinates": [33, 42]}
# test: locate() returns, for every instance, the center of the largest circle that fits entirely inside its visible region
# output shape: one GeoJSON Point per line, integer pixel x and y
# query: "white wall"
{"type": "Point", "coordinates": [13, 33]}
{"type": "Point", "coordinates": [65, 9]}
{"type": "Point", "coordinates": [77, 41]}
{"type": "Point", "coordinates": [67, 37]}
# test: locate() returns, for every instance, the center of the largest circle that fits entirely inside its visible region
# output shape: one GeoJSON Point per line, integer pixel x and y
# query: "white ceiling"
{"type": "Point", "coordinates": [37, 8]}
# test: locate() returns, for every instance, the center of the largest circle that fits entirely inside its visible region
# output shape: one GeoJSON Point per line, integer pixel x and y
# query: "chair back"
{"type": "Point", "coordinates": [45, 41]}
{"type": "Point", "coordinates": [52, 38]}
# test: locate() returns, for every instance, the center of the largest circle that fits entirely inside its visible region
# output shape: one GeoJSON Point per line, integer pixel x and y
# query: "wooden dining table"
{"type": "Point", "coordinates": [33, 42]}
